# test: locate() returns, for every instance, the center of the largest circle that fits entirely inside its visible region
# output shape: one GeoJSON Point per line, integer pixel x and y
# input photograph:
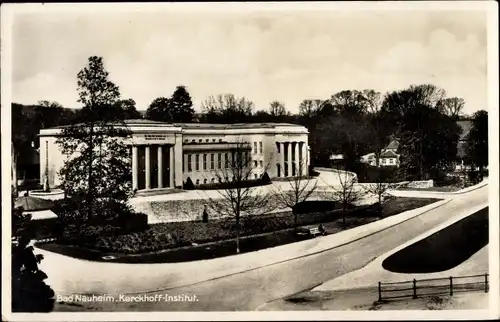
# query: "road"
{"type": "Point", "coordinates": [253, 288]}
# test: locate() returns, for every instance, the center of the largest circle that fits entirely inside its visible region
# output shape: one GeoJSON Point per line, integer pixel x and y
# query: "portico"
{"type": "Point", "coordinates": [153, 166]}
{"type": "Point", "coordinates": [292, 158]}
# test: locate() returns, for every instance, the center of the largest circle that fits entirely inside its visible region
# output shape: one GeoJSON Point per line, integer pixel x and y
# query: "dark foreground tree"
{"type": "Point", "coordinates": [29, 291]}
{"type": "Point", "coordinates": [97, 167]}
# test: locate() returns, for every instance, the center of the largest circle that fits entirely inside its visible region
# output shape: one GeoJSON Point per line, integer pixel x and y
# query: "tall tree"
{"type": "Point", "coordinates": [181, 106]}
{"type": "Point", "coordinates": [452, 106]}
{"type": "Point", "coordinates": [29, 293]}
{"type": "Point", "coordinates": [128, 108]}
{"type": "Point", "coordinates": [98, 163]}
{"type": "Point", "coordinates": [308, 107]}
{"type": "Point", "coordinates": [237, 199]}
{"type": "Point", "coordinates": [277, 109]}
{"type": "Point", "coordinates": [227, 108]}
{"type": "Point", "coordinates": [296, 190]}
{"type": "Point", "coordinates": [477, 141]}
{"type": "Point", "coordinates": [158, 110]}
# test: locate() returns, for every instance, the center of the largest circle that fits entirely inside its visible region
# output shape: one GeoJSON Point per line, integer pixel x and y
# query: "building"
{"type": "Point", "coordinates": [165, 155]}
{"type": "Point", "coordinates": [388, 157]}
{"type": "Point", "coordinates": [465, 126]}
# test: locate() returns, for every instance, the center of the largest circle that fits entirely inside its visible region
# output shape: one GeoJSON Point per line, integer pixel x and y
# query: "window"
{"type": "Point", "coordinates": [204, 181]}
{"type": "Point", "coordinates": [255, 175]}
{"type": "Point", "coordinates": [212, 161]}
{"type": "Point", "coordinates": [186, 141]}
{"type": "Point", "coordinates": [254, 147]}
{"type": "Point", "coordinates": [200, 140]}
{"type": "Point", "coordinates": [197, 162]}
{"type": "Point", "coordinates": [220, 180]}
{"type": "Point", "coordinates": [260, 147]}
{"type": "Point", "coordinates": [220, 140]}
{"type": "Point", "coordinates": [189, 163]}
{"type": "Point", "coordinates": [213, 140]}
{"type": "Point", "coordinates": [278, 147]}
{"type": "Point", "coordinates": [204, 161]}
{"type": "Point", "coordinates": [207, 140]}
{"type": "Point", "coordinates": [255, 164]}
{"type": "Point", "coordinates": [213, 180]}
{"type": "Point", "coordinates": [261, 163]}
{"type": "Point", "coordinates": [197, 181]}
{"type": "Point", "coordinates": [193, 141]}
{"type": "Point", "coordinates": [227, 160]}
{"type": "Point", "coordinates": [219, 161]}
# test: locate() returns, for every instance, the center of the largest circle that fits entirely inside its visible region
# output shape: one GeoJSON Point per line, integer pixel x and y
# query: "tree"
{"type": "Point", "coordinates": [452, 106]}
{"type": "Point", "coordinates": [237, 199]}
{"type": "Point", "coordinates": [127, 108]}
{"type": "Point", "coordinates": [29, 291]}
{"type": "Point", "coordinates": [98, 164]}
{"type": "Point", "coordinates": [277, 109]}
{"type": "Point", "coordinates": [345, 191]}
{"type": "Point", "coordinates": [158, 110]}
{"type": "Point", "coordinates": [308, 107]}
{"type": "Point", "coordinates": [181, 107]}
{"type": "Point", "coordinates": [227, 108]}
{"type": "Point", "coordinates": [477, 141]}
{"type": "Point", "coordinates": [382, 183]}
{"type": "Point", "coordinates": [299, 189]}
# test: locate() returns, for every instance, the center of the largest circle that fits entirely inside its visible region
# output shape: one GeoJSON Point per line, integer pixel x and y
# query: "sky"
{"type": "Point", "coordinates": [261, 55]}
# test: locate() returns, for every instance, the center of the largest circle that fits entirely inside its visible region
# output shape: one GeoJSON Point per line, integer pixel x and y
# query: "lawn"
{"type": "Point", "coordinates": [443, 250]}
{"type": "Point", "coordinates": [185, 241]}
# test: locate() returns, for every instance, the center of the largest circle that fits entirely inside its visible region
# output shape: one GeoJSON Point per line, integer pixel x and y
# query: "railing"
{"type": "Point", "coordinates": [433, 286]}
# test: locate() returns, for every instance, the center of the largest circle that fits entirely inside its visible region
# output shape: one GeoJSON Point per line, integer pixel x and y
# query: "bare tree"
{"type": "Point", "coordinates": [236, 198]}
{"type": "Point", "coordinates": [452, 106]}
{"type": "Point", "coordinates": [277, 108]}
{"type": "Point", "coordinates": [345, 191]}
{"type": "Point", "coordinates": [380, 186]}
{"type": "Point", "coordinates": [298, 189]}
{"type": "Point", "coordinates": [227, 108]}
{"type": "Point", "coordinates": [309, 107]}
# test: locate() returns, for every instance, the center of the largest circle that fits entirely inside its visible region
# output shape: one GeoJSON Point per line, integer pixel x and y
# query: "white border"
{"type": "Point", "coordinates": [491, 7]}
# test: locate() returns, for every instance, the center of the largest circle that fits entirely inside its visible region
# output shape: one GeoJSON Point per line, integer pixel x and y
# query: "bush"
{"type": "Point", "coordinates": [189, 185]}
{"type": "Point", "coordinates": [109, 217]}
{"type": "Point", "coordinates": [265, 178]}
{"type": "Point", "coordinates": [310, 206]}
{"type": "Point", "coordinates": [234, 185]}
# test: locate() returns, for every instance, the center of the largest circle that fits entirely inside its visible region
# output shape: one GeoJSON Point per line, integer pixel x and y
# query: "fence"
{"type": "Point", "coordinates": [433, 286]}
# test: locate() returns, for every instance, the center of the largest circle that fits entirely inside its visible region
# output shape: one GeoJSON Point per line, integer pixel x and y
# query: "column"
{"type": "Point", "coordinates": [160, 167]}
{"type": "Point", "coordinates": [297, 159]}
{"type": "Point", "coordinates": [135, 164]}
{"type": "Point", "coordinates": [172, 167]}
{"type": "Point", "coordinates": [305, 165]}
{"type": "Point", "coordinates": [148, 168]}
{"type": "Point", "coordinates": [289, 158]}
{"type": "Point", "coordinates": [282, 158]}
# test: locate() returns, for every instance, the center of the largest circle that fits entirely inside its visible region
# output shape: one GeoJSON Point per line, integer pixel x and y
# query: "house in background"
{"type": "Point", "coordinates": [388, 158]}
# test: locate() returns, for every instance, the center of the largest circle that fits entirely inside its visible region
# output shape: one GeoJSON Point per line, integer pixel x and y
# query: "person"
{"type": "Point", "coordinates": [322, 229]}
{"type": "Point", "coordinates": [205, 214]}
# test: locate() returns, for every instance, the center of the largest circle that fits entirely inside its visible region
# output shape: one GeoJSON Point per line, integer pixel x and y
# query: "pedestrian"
{"type": "Point", "coordinates": [205, 214]}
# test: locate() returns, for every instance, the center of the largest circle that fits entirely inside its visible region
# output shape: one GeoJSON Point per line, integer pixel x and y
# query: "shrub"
{"type": "Point", "coordinates": [265, 178]}
{"type": "Point", "coordinates": [189, 185]}
{"type": "Point", "coordinates": [310, 206]}
{"type": "Point", "coordinates": [233, 185]}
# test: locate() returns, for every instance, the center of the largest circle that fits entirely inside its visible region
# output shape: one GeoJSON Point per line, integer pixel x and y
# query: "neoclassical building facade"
{"type": "Point", "coordinates": [165, 155]}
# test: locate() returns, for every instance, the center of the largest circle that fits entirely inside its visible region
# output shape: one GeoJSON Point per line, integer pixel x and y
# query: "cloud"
{"type": "Point", "coordinates": [263, 56]}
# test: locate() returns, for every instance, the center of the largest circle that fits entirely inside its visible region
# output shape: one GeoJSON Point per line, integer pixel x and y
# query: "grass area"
{"type": "Point", "coordinates": [443, 250]}
{"type": "Point", "coordinates": [438, 189]}
{"type": "Point", "coordinates": [176, 241]}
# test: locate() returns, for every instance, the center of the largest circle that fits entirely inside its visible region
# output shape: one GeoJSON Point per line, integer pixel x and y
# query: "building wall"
{"type": "Point", "coordinates": [181, 138]}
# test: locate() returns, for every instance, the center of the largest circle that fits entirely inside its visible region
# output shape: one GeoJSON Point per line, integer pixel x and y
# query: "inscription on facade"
{"type": "Point", "coordinates": [154, 137]}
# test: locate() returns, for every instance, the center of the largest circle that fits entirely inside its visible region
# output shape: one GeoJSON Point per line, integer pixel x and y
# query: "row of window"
{"type": "Point", "coordinates": [202, 161]}
{"type": "Point", "coordinates": [201, 140]}
{"type": "Point", "coordinates": [255, 150]}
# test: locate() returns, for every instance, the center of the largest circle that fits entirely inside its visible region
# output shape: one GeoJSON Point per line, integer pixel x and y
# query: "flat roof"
{"type": "Point", "coordinates": [207, 126]}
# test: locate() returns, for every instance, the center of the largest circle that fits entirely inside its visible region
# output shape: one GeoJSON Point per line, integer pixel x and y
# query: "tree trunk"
{"type": "Point", "coordinates": [91, 156]}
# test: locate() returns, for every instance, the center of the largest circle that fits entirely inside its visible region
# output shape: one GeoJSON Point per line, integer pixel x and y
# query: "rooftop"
{"type": "Point", "coordinates": [150, 123]}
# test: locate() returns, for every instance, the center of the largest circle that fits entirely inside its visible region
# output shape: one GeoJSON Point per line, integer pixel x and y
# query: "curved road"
{"type": "Point", "coordinates": [250, 289]}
